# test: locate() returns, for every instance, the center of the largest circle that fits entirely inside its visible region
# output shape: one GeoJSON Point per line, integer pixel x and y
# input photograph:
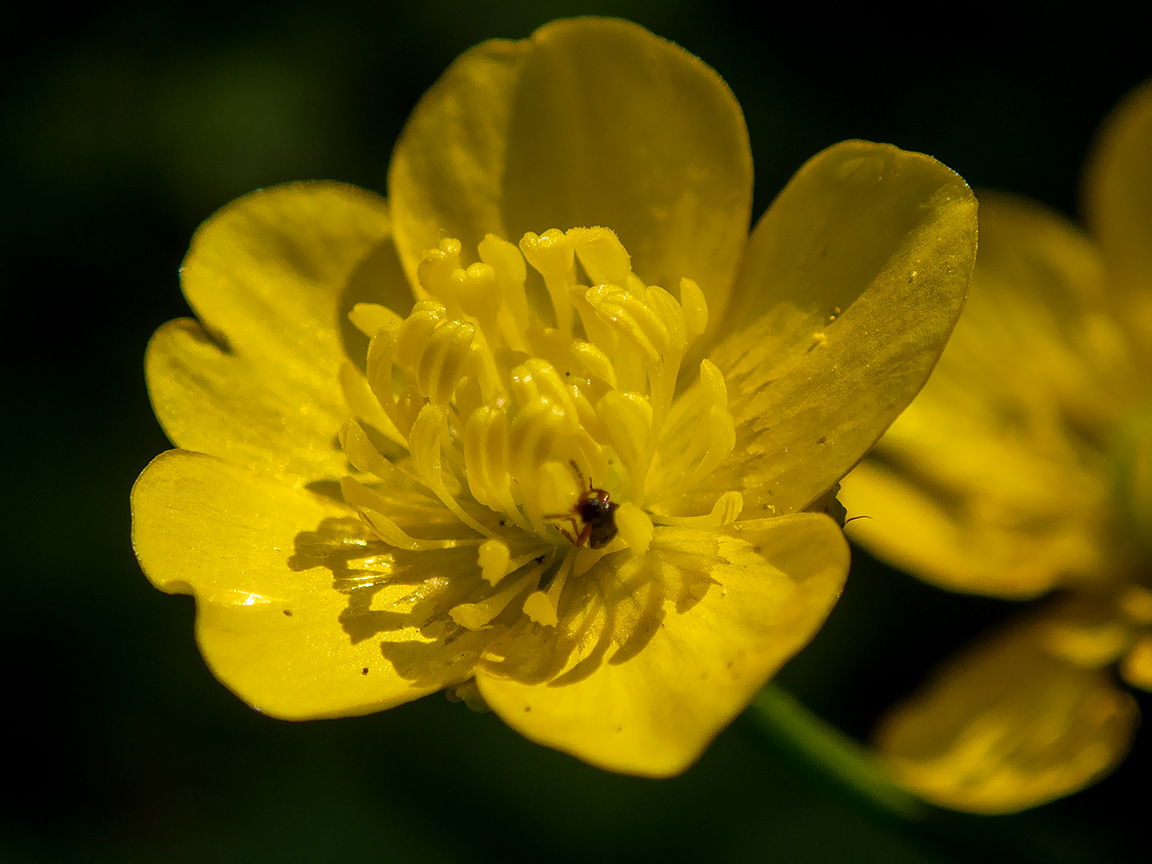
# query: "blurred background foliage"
{"type": "Point", "coordinates": [125, 124]}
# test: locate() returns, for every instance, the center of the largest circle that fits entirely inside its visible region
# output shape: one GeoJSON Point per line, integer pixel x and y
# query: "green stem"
{"type": "Point", "coordinates": [784, 720]}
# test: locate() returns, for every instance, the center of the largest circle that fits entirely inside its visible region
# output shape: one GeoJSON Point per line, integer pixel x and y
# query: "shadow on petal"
{"type": "Point", "coordinates": [378, 278]}
{"type": "Point", "coordinates": [399, 598]}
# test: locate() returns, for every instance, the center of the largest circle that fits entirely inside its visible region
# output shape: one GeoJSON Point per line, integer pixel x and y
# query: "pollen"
{"type": "Point", "coordinates": [530, 406]}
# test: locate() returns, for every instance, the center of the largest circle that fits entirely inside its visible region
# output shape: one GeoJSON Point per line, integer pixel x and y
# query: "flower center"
{"type": "Point", "coordinates": [539, 423]}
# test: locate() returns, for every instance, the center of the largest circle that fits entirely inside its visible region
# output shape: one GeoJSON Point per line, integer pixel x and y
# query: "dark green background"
{"type": "Point", "coordinates": [125, 125]}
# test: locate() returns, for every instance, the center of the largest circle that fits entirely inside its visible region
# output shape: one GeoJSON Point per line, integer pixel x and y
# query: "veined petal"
{"type": "Point", "coordinates": [280, 577]}
{"type": "Point", "coordinates": [1118, 198]}
{"type": "Point", "coordinates": [1009, 724]}
{"type": "Point", "coordinates": [657, 654]}
{"type": "Point", "coordinates": [995, 472]}
{"type": "Point", "coordinates": [589, 122]}
{"type": "Point", "coordinates": [255, 381]}
{"type": "Point", "coordinates": [854, 278]}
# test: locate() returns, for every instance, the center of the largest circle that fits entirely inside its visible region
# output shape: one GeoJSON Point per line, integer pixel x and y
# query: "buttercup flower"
{"type": "Point", "coordinates": [460, 439]}
{"type": "Point", "coordinates": [1026, 466]}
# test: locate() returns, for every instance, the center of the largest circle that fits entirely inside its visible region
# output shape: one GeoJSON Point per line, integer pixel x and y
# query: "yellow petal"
{"type": "Point", "coordinates": [657, 654]}
{"type": "Point", "coordinates": [1118, 198]}
{"type": "Point", "coordinates": [1041, 334]}
{"type": "Point", "coordinates": [589, 122]}
{"type": "Point", "coordinates": [932, 534]}
{"type": "Point", "coordinates": [854, 278]}
{"type": "Point", "coordinates": [1008, 725]}
{"type": "Point", "coordinates": [444, 179]}
{"type": "Point", "coordinates": [1137, 664]}
{"type": "Point", "coordinates": [993, 480]}
{"type": "Point", "coordinates": [268, 275]}
{"type": "Point", "coordinates": [284, 582]}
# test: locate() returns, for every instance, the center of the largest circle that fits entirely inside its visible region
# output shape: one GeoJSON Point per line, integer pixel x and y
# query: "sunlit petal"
{"type": "Point", "coordinates": [589, 122]}
{"type": "Point", "coordinates": [254, 379]}
{"type": "Point", "coordinates": [660, 653]}
{"type": "Point", "coordinates": [993, 480]}
{"type": "Point", "coordinates": [853, 279]}
{"type": "Point", "coordinates": [472, 458]}
{"type": "Point", "coordinates": [276, 573]}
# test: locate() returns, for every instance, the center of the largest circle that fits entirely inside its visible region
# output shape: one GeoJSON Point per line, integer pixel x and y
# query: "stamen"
{"type": "Point", "coordinates": [536, 378]}
{"type": "Point", "coordinates": [662, 377]}
{"type": "Point", "coordinates": [635, 528]}
{"type": "Point", "coordinates": [627, 418]}
{"type": "Point", "coordinates": [551, 253]}
{"type": "Point", "coordinates": [434, 272]}
{"type": "Point", "coordinates": [412, 337]}
{"type": "Point", "coordinates": [439, 368]}
{"type": "Point", "coordinates": [592, 361]}
{"type": "Point", "coordinates": [426, 441]}
{"type": "Point", "coordinates": [390, 533]}
{"type": "Point", "coordinates": [701, 432]}
{"type": "Point", "coordinates": [541, 606]}
{"type": "Point", "coordinates": [601, 254]}
{"type": "Point", "coordinates": [475, 288]}
{"type": "Point", "coordinates": [486, 455]}
{"type": "Point", "coordinates": [381, 354]}
{"type": "Point", "coordinates": [631, 318]}
{"type": "Point", "coordinates": [477, 616]}
{"type": "Point", "coordinates": [493, 560]}
{"type": "Point", "coordinates": [695, 309]}
{"type": "Point", "coordinates": [530, 441]}
{"type": "Point", "coordinates": [360, 452]}
{"type": "Point", "coordinates": [507, 262]}
{"type": "Point", "coordinates": [725, 511]}
{"type": "Point", "coordinates": [406, 497]}
{"type": "Point", "coordinates": [473, 412]}
{"type": "Point", "coordinates": [363, 404]}
{"type": "Point", "coordinates": [368, 318]}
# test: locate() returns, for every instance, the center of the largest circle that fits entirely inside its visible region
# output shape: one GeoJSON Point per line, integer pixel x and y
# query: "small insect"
{"type": "Point", "coordinates": [593, 511]}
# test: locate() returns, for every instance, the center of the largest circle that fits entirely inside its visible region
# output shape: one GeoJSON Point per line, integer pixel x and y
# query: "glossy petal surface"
{"type": "Point", "coordinates": [539, 507]}
{"type": "Point", "coordinates": [1009, 724]}
{"type": "Point", "coordinates": [589, 122]}
{"type": "Point", "coordinates": [661, 652]}
{"type": "Point", "coordinates": [266, 563]}
{"type": "Point", "coordinates": [255, 379]}
{"type": "Point", "coordinates": [853, 278]}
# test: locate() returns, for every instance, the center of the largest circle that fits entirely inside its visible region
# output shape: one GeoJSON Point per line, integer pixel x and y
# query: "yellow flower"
{"type": "Point", "coordinates": [1025, 466]}
{"type": "Point", "coordinates": [415, 455]}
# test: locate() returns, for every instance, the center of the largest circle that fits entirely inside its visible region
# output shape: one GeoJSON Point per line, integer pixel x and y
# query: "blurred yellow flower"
{"type": "Point", "coordinates": [1025, 466]}
{"type": "Point", "coordinates": [417, 456]}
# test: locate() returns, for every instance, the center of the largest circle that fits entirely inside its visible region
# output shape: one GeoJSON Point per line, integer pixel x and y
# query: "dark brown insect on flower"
{"type": "Point", "coordinates": [593, 516]}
